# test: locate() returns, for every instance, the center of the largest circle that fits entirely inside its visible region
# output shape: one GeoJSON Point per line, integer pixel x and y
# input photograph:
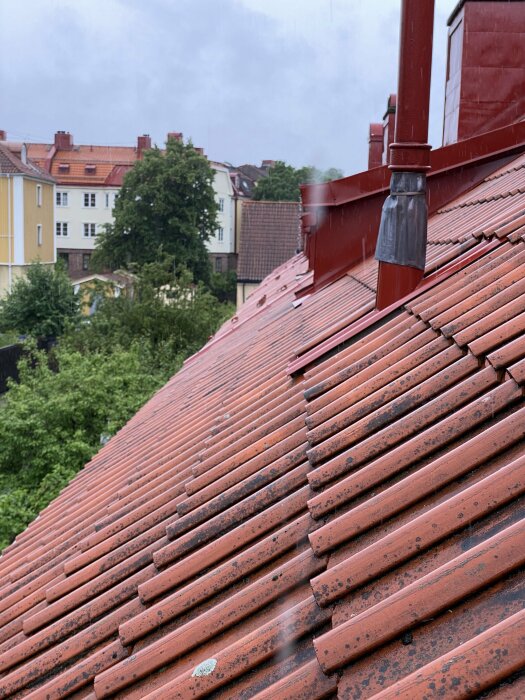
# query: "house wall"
{"type": "Point", "coordinates": [34, 215]}
{"type": "Point", "coordinates": [6, 207]}
{"type": "Point", "coordinates": [226, 218]}
{"type": "Point", "coordinates": [75, 214]}
{"type": "Point", "coordinates": [244, 289]}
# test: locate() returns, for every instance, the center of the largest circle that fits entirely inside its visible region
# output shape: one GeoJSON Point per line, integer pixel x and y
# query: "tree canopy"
{"type": "Point", "coordinates": [40, 304]}
{"type": "Point", "coordinates": [283, 180]}
{"type": "Point", "coordinates": [166, 205]}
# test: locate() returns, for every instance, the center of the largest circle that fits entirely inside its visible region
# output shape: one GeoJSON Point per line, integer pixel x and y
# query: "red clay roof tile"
{"type": "Point", "coordinates": [180, 563]}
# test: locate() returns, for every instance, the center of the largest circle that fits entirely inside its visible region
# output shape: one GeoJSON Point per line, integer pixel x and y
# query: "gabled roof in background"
{"type": "Point", "coordinates": [11, 164]}
{"type": "Point", "coordinates": [346, 527]}
{"type": "Point", "coordinates": [270, 235]}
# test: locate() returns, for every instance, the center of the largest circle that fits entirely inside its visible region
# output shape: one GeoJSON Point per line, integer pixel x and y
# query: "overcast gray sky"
{"type": "Point", "coordinates": [294, 80]}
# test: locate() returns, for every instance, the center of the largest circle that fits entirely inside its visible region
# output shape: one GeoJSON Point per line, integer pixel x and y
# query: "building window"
{"type": "Point", "coordinates": [220, 234]}
{"type": "Point", "coordinates": [39, 195]}
{"type": "Point", "coordinates": [221, 204]}
{"type": "Point", "coordinates": [218, 264]}
{"type": "Point", "coordinates": [90, 199]}
{"type": "Point", "coordinates": [65, 259]}
{"type": "Point", "coordinates": [61, 228]}
{"type": "Point", "coordinates": [39, 234]}
{"type": "Point", "coordinates": [107, 200]}
{"type": "Point", "coordinates": [85, 261]}
{"type": "Point", "coordinates": [61, 198]}
{"type": "Point", "coordinates": [90, 230]}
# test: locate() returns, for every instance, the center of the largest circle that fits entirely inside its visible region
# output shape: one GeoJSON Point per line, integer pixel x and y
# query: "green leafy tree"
{"type": "Point", "coordinates": [41, 304]}
{"type": "Point", "coordinates": [51, 423]}
{"type": "Point", "coordinates": [283, 181]}
{"type": "Point", "coordinates": [166, 205]}
{"type": "Point", "coordinates": [167, 317]}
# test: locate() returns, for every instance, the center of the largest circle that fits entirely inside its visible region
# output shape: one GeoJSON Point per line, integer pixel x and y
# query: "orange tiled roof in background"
{"type": "Point", "coordinates": [324, 502]}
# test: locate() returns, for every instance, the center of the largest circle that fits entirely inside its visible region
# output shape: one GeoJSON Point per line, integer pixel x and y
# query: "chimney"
{"type": "Point", "coordinates": [375, 146]}
{"type": "Point", "coordinates": [389, 124]}
{"type": "Point", "coordinates": [267, 164]}
{"type": "Point", "coordinates": [63, 141]}
{"type": "Point", "coordinates": [174, 136]}
{"type": "Point", "coordinates": [402, 239]}
{"type": "Point", "coordinates": [3, 135]}
{"type": "Point", "coordinates": [199, 150]}
{"type": "Point", "coordinates": [485, 68]}
{"type": "Point", "coordinates": [143, 144]}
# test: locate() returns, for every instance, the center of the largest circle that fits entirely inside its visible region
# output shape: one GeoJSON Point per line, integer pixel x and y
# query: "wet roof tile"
{"type": "Point", "coordinates": [247, 531]}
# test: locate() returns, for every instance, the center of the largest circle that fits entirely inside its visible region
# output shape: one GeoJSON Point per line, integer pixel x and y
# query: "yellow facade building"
{"type": "Point", "coordinates": [26, 215]}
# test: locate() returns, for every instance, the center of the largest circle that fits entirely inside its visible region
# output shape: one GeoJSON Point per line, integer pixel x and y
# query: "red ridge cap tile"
{"type": "Point", "coordinates": [264, 643]}
{"type": "Point", "coordinates": [402, 396]}
{"type": "Point", "coordinates": [210, 623]}
{"type": "Point", "coordinates": [391, 435]}
{"type": "Point", "coordinates": [434, 437]}
{"type": "Point", "coordinates": [306, 683]}
{"type": "Point", "coordinates": [286, 509]}
{"type": "Point", "coordinates": [499, 334]}
{"type": "Point", "coordinates": [474, 666]}
{"type": "Point", "coordinates": [426, 597]}
{"type": "Point", "coordinates": [406, 492]}
{"type": "Point", "coordinates": [422, 532]}
{"type": "Point", "coordinates": [216, 580]}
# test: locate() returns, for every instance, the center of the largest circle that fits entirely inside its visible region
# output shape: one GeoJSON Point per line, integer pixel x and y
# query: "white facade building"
{"type": "Point", "coordinates": [221, 246]}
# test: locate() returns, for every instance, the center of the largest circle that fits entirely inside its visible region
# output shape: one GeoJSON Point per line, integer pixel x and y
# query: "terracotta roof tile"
{"type": "Point", "coordinates": [350, 529]}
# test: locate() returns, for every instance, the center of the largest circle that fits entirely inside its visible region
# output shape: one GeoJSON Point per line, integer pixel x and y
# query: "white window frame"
{"type": "Point", "coordinates": [62, 229]}
{"type": "Point", "coordinates": [89, 230]}
{"type": "Point", "coordinates": [107, 200]}
{"type": "Point", "coordinates": [62, 199]}
{"type": "Point", "coordinates": [91, 199]}
{"type": "Point", "coordinates": [221, 203]}
{"type": "Point", "coordinates": [220, 234]}
{"type": "Point", "coordinates": [39, 195]}
{"type": "Point", "coordinates": [39, 234]}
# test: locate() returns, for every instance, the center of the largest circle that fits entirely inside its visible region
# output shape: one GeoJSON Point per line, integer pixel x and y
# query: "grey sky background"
{"type": "Point", "coordinates": [294, 80]}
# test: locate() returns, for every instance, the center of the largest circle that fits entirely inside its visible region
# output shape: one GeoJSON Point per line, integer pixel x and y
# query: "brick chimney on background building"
{"type": "Point", "coordinates": [389, 125]}
{"type": "Point", "coordinates": [485, 80]}
{"type": "Point", "coordinates": [3, 135]}
{"type": "Point", "coordinates": [174, 136]}
{"type": "Point", "coordinates": [375, 146]}
{"type": "Point", "coordinates": [63, 141]}
{"type": "Point", "coordinates": [143, 144]}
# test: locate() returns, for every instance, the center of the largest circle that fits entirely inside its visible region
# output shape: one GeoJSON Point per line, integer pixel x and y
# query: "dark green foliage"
{"type": "Point", "coordinates": [166, 205]}
{"type": "Point", "coordinates": [282, 182]}
{"type": "Point", "coordinates": [51, 423]}
{"type": "Point", "coordinates": [41, 304]}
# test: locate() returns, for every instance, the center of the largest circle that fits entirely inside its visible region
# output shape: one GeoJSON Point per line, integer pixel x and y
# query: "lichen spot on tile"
{"type": "Point", "coordinates": [205, 668]}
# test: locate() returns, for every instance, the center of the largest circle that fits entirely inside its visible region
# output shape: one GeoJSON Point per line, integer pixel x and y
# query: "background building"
{"type": "Point", "coordinates": [26, 214]}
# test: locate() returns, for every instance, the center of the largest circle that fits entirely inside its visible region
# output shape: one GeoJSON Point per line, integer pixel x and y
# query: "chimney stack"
{"type": "Point", "coordinates": [3, 135]}
{"type": "Point", "coordinates": [485, 80]}
{"type": "Point", "coordinates": [267, 164]}
{"type": "Point", "coordinates": [63, 141]}
{"type": "Point", "coordinates": [174, 136]}
{"type": "Point", "coordinates": [143, 144]}
{"type": "Point", "coordinates": [402, 239]}
{"type": "Point", "coordinates": [375, 146]}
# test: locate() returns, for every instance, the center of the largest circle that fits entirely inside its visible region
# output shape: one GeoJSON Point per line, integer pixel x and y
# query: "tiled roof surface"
{"type": "Point", "coordinates": [349, 531]}
{"type": "Point", "coordinates": [269, 236]}
{"type": "Point", "coordinates": [10, 164]}
{"type": "Point", "coordinates": [110, 163]}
